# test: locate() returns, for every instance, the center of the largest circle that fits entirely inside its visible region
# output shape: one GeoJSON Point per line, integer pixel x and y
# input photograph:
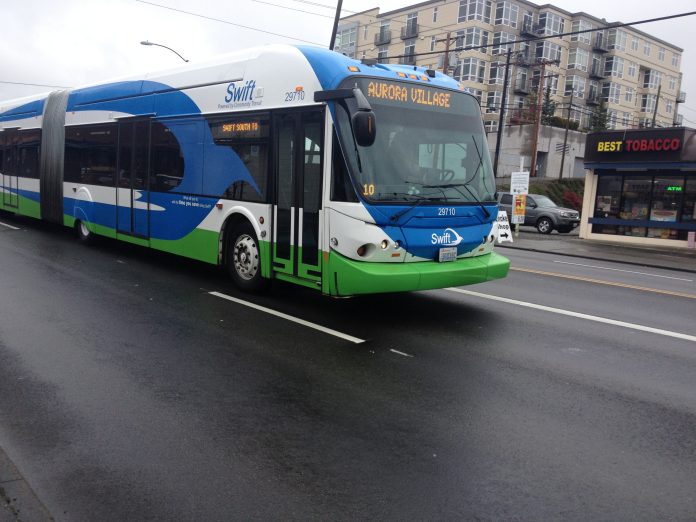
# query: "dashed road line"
{"type": "Point", "coordinates": [626, 271]}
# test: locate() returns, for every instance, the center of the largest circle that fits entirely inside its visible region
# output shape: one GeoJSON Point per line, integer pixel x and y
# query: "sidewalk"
{"type": "Point", "coordinates": [572, 245]}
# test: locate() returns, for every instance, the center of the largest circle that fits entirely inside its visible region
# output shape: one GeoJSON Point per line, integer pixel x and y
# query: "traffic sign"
{"type": "Point", "coordinates": [504, 231]}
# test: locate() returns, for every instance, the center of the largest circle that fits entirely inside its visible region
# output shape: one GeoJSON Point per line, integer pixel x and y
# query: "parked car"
{"type": "Point", "coordinates": [543, 213]}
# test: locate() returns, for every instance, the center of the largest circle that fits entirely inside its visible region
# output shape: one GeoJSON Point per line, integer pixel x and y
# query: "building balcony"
{"type": "Point", "coordinates": [597, 72]}
{"type": "Point", "coordinates": [530, 29]}
{"type": "Point", "coordinates": [383, 37]}
{"type": "Point", "coordinates": [679, 120]}
{"type": "Point", "coordinates": [600, 43]}
{"type": "Point", "coordinates": [522, 87]}
{"type": "Point", "coordinates": [593, 99]}
{"type": "Point", "coordinates": [525, 59]}
{"type": "Point", "coordinates": [681, 97]}
{"type": "Point", "coordinates": [409, 31]}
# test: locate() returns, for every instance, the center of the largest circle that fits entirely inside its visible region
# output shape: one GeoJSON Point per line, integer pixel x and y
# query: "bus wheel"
{"type": "Point", "coordinates": [83, 233]}
{"type": "Point", "coordinates": [244, 258]}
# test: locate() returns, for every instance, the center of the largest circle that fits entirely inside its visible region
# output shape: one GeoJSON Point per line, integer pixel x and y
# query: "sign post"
{"type": "Point", "coordinates": [519, 188]}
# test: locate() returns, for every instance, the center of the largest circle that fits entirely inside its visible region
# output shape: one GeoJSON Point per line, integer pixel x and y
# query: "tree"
{"type": "Point", "coordinates": [548, 108]}
{"type": "Point", "coordinates": [599, 119]}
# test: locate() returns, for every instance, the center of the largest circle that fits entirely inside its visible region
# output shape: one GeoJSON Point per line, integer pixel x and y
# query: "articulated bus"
{"type": "Point", "coordinates": [279, 162]}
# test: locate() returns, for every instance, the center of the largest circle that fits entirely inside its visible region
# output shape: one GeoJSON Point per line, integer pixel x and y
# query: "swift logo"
{"type": "Point", "coordinates": [448, 238]}
{"type": "Point", "coordinates": [242, 93]}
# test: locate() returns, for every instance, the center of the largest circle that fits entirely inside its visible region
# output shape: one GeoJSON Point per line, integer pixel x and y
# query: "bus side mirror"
{"type": "Point", "coordinates": [364, 127]}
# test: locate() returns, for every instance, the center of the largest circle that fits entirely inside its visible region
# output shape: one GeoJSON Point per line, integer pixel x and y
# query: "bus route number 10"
{"type": "Point", "coordinates": [368, 189]}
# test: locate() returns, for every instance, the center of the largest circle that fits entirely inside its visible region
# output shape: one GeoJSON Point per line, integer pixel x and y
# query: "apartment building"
{"type": "Point", "coordinates": [632, 72]}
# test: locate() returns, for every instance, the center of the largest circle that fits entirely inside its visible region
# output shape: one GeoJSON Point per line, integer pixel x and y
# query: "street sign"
{"type": "Point", "coordinates": [518, 209]}
{"type": "Point", "coordinates": [504, 231]}
{"type": "Point", "coordinates": [519, 183]}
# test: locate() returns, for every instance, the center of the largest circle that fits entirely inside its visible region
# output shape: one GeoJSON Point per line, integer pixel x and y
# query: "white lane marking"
{"type": "Point", "coordinates": [627, 271]}
{"type": "Point", "coordinates": [8, 226]}
{"type": "Point", "coordinates": [297, 320]}
{"type": "Point", "coordinates": [579, 315]}
{"type": "Point", "coordinates": [401, 353]}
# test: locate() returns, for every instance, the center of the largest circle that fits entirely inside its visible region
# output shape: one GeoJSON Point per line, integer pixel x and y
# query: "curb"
{"type": "Point", "coordinates": [18, 502]}
{"type": "Point", "coordinates": [604, 259]}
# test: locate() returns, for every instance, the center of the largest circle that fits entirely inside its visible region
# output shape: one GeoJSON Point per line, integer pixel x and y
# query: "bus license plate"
{"type": "Point", "coordinates": [447, 254]}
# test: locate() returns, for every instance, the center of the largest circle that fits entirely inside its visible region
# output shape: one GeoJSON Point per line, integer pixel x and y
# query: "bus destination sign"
{"type": "Point", "coordinates": [416, 94]}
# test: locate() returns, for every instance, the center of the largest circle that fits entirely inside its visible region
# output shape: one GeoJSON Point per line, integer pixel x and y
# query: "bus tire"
{"type": "Point", "coordinates": [84, 235]}
{"type": "Point", "coordinates": [244, 258]}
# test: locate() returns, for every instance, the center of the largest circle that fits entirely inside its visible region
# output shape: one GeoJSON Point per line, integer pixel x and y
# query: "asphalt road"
{"type": "Point", "coordinates": [128, 391]}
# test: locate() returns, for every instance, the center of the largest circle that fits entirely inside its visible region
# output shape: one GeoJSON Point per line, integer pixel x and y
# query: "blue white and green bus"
{"type": "Point", "coordinates": [278, 162]}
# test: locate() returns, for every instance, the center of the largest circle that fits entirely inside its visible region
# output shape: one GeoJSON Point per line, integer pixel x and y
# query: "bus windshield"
{"type": "Point", "coordinates": [430, 146]}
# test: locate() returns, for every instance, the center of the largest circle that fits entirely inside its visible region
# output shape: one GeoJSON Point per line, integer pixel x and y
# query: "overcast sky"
{"type": "Point", "coordinates": [73, 42]}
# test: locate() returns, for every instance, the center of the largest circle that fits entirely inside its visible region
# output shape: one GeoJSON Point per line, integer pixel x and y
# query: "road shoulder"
{"type": "Point", "coordinates": [18, 502]}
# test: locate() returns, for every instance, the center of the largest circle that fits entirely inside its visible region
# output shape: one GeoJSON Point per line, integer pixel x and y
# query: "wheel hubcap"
{"type": "Point", "coordinates": [83, 229]}
{"type": "Point", "coordinates": [246, 257]}
{"type": "Point", "coordinates": [544, 226]}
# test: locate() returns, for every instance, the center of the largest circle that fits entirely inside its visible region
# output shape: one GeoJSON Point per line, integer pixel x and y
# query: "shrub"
{"type": "Point", "coordinates": [572, 200]}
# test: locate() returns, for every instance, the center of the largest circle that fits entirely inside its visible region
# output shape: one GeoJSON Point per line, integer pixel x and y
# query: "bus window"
{"type": "Point", "coordinates": [90, 154]}
{"type": "Point", "coordinates": [167, 161]}
{"type": "Point", "coordinates": [247, 137]}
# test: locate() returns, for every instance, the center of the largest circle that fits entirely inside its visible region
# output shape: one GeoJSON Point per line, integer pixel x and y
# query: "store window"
{"type": "Point", "coordinates": [666, 204]}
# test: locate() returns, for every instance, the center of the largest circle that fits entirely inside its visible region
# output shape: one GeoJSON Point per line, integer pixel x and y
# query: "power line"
{"type": "Point", "coordinates": [35, 85]}
{"type": "Point", "coordinates": [292, 9]}
{"type": "Point", "coordinates": [229, 23]}
{"type": "Point", "coordinates": [546, 37]}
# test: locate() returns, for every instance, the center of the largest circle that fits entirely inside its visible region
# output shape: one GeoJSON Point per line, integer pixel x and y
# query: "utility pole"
{"type": "Point", "coordinates": [565, 138]}
{"type": "Point", "coordinates": [657, 101]}
{"type": "Point", "coordinates": [445, 61]}
{"type": "Point", "coordinates": [537, 122]}
{"type": "Point", "coordinates": [335, 25]}
{"type": "Point", "coordinates": [501, 119]}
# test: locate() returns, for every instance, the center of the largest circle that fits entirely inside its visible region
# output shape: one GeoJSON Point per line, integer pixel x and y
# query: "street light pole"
{"type": "Point", "coordinates": [147, 42]}
{"type": "Point", "coordinates": [335, 25]}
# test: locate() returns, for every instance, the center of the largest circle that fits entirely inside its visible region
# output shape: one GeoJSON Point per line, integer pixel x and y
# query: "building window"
{"type": "Point", "coordinates": [476, 93]}
{"type": "Point", "coordinates": [635, 43]}
{"type": "Point", "coordinates": [578, 59]}
{"type": "Point", "coordinates": [632, 69]}
{"type": "Point", "coordinates": [497, 73]}
{"type": "Point", "coordinates": [575, 85]}
{"type": "Point", "coordinates": [409, 51]}
{"type": "Point", "coordinates": [672, 83]}
{"type": "Point", "coordinates": [626, 120]}
{"type": "Point", "coordinates": [548, 51]}
{"type": "Point", "coordinates": [630, 91]}
{"type": "Point", "coordinates": [652, 79]}
{"type": "Point", "coordinates": [491, 125]}
{"type": "Point", "coordinates": [611, 92]}
{"type": "Point", "coordinates": [475, 10]}
{"type": "Point", "coordinates": [365, 29]}
{"type": "Point", "coordinates": [647, 103]}
{"type": "Point", "coordinates": [434, 14]}
{"type": "Point", "coordinates": [617, 39]}
{"type": "Point", "coordinates": [382, 53]}
{"type": "Point", "coordinates": [506, 13]}
{"type": "Point", "coordinates": [581, 25]}
{"type": "Point", "coordinates": [493, 101]}
{"type": "Point", "coordinates": [614, 66]}
{"type": "Point", "coordinates": [345, 41]}
{"type": "Point", "coordinates": [669, 107]}
{"type": "Point", "coordinates": [550, 82]}
{"type": "Point", "coordinates": [551, 23]}
{"type": "Point", "coordinates": [433, 42]}
{"type": "Point", "coordinates": [646, 48]}
{"type": "Point", "coordinates": [661, 54]}
{"type": "Point", "coordinates": [471, 70]}
{"type": "Point", "coordinates": [675, 60]}
{"type": "Point", "coordinates": [499, 41]}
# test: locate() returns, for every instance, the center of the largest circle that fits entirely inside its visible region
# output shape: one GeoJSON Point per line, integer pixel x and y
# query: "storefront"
{"type": "Point", "coordinates": [641, 187]}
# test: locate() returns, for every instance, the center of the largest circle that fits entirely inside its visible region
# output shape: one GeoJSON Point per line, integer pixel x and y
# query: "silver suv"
{"type": "Point", "coordinates": [543, 213]}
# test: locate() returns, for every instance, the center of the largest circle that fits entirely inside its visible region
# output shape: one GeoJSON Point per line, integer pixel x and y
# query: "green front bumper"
{"type": "Point", "coordinates": [348, 277]}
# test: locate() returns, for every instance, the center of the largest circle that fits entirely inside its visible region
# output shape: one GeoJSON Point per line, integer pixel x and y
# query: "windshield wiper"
{"type": "Point", "coordinates": [456, 186]}
{"type": "Point", "coordinates": [419, 202]}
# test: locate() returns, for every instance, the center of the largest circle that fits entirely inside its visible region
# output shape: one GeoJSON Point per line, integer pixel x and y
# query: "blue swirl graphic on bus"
{"type": "Point", "coordinates": [223, 166]}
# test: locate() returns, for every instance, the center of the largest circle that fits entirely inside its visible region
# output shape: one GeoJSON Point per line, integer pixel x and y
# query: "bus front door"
{"type": "Point", "coordinates": [132, 195]}
{"type": "Point", "coordinates": [9, 168]}
{"type": "Point", "coordinates": [298, 145]}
